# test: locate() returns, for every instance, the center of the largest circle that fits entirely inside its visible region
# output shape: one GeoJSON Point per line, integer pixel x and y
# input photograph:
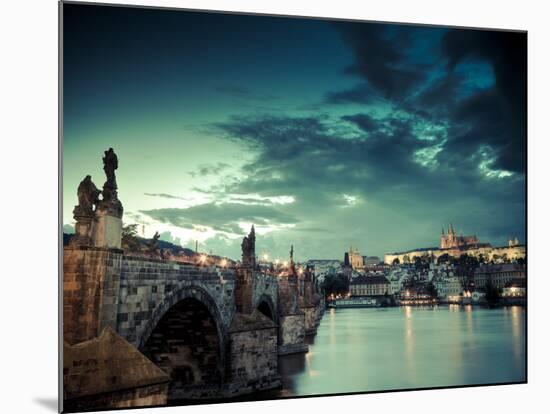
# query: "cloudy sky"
{"type": "Point", "coordinates": [323, 134]}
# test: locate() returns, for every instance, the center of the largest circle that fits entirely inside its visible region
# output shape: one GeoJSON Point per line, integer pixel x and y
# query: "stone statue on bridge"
{"type": "Point", "coordinates": [154, 243]}
{"type": "Point", "coordinates": [84, 213]}
{"type": "Point", "coordinates": [99, 221]}
{"type": "Point", "coordinates": [292, 265]}
{"type": "Point", "coordinates": [88, 196]}
{"type": "Point", "coordinates": [110, 164]}
{"type": "Point", "coordinates": [248, 247]}
{"type": "Point", "coordinates": [110, 202]}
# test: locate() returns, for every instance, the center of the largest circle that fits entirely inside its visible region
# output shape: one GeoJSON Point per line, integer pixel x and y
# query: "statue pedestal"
{"type": "Point", "coordinates": [84, 229]}
{"type": "Point", "coordinates": [107, 230]}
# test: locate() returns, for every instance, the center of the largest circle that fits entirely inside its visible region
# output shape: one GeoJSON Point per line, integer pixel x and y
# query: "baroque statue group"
{"type": "Point", "coordinates": [95, 205]}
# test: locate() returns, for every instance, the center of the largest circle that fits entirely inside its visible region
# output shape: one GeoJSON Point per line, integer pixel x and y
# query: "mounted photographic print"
{"type": "Point", "coordinates": [260, 207]}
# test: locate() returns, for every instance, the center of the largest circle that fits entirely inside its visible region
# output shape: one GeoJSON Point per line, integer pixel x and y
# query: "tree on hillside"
{"type": "Point", "coordinates": [491, 292]}
{"type": "Point", "coordinates": [130, 240]}
{"type": "Point", "coordinates": [444, 258]}
{"type": "Point", "coordinates": [432, 290]}
{"type": "Point", "coordinates": [335, 284]}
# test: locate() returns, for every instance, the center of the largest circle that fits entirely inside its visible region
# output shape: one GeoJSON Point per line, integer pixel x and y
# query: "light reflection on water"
{"type": "Point", "coordinates": [397, 348]}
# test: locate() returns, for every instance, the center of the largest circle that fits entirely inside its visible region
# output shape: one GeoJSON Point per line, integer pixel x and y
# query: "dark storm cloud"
{"type": "Point", "coordinates": [440, 72]}
{"type": "Point", "coordinates": [222, 217]}
{"type": "Point", "coordinates": [292, 153]}
{"type": "Point", "coordinates": [362, 93]}
{"type": "Point", "coordinates": [209, 169]}
{"type": "Point", "coordinates": [454, 130]}
{"type": "Point", "coordinates": [499, 115]}
{"type": "Point", "coordinates": [164, 195]}
{"type": "Point", "coordinates": [308, 158]}
{"type": "Point", "coordinates": [382, 58]}
{"type": "Point", "coordinates": [364, 121]}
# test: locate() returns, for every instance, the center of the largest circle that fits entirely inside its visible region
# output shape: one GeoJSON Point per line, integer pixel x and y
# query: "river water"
{"type": "Point", "coordinates": [358, 350]}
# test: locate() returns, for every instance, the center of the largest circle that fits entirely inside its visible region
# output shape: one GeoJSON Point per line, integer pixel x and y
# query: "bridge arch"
{"type": "Point", "coordinates": [185, 337]}
{"type": "Point", "coordinates": [266, 306]}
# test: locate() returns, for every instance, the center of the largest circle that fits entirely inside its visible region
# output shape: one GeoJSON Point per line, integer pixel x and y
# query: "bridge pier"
{"type": "Point", "coordinates": [91, 284]}
{"type": "Point", "coordinates": [252, 363]}
{"type": "Point", "coordinates": [306, 303]}
{"type": "Point", "coordinates": [291, 317]}
{"type": "Point", "coordinates": [252, 355]}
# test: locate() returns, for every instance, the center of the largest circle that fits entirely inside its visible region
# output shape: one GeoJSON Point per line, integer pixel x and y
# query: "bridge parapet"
{"type": "Point", "coordinates": [307, 304]}
{"type": "Point", "coordinates": [291, 317]}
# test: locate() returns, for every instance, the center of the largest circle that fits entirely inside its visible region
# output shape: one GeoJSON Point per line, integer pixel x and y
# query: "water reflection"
{"type": "Point", "coordinates": [517, 318]}
{"type": "Point", "coordinates": [379, 349]}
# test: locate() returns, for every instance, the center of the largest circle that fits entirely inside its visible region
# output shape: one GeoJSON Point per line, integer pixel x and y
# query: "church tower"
{"type": "Point", "coordinates": [451, 237]}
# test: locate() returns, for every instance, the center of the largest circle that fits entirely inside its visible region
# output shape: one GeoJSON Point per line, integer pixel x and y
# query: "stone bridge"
{"type": "Point", "coordinates": [214, 332]}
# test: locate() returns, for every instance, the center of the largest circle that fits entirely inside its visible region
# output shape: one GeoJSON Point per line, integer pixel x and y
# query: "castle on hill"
{"type": "Point", "coordinates": [451, 240]}
{"type": "Point", "coordinates": [455, 245]}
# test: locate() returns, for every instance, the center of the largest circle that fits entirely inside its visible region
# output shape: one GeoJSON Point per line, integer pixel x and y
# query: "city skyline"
{"type": "Point", "coordinates": [323, 135]}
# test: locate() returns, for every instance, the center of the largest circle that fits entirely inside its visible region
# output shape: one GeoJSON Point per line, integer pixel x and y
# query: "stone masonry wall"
{"type": "Point", "coordinates": [252, 361]}
{"type": "Point", "coordinates": [265, 286]}
{"type": "Point", "coordinates": [91, 279]}
{"type": "Point", "coordinates": [292, 334]}
{"type": "Point", "coordinates": [108, 372]}
{"type": "Point", "coordinates": [147, 396]}
{"type": "Point", "coordinates": [244, 287]}
{"type": "Point", "coordinates": [288, 295]}
{"type": "Point", "coordinates": [291, 317]}
{"type": "Point", "coordinates": [319, 310]}
{"type": "Point", "coordinates": [310, 320]}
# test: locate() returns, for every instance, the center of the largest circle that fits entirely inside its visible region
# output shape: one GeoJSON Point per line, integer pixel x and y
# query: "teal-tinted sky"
{"type": "Point", "coordinates": [323, 134]}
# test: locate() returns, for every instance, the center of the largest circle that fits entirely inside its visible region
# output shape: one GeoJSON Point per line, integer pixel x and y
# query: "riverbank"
{"type": "Point", "coordinates": [377, 302]}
